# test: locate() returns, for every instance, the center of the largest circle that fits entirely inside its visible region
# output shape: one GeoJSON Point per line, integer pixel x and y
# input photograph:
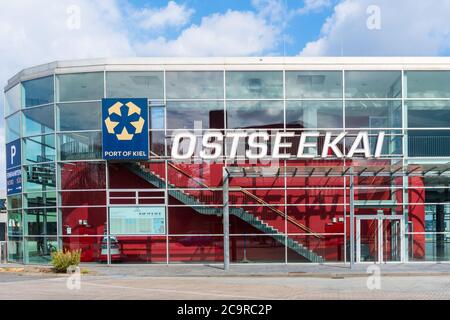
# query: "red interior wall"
{"type": "Point", "coordinates": [186, 222]}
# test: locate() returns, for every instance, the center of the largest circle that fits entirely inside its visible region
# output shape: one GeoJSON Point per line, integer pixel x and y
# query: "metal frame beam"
{"type": "Point", "coordinates": [352, 219]}
{"type": "Point", "coordinates": [226, 221]}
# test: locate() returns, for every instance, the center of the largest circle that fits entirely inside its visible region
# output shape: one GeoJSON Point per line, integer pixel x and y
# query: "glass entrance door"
{"type": "Point", "coordinates": [379, 238]}
{"type": "Point", "coordinates": [391, 240]}
{"type": "Point", "coordinates": [368, 240]}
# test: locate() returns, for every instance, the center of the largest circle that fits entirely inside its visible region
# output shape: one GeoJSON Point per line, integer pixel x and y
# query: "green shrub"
{"type": "Point", "coordinates": [62, 259]}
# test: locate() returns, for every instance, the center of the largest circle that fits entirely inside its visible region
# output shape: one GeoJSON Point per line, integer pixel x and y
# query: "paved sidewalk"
{"type": "Point", "coordinates": [307, 270]}
{"type": "Point", "coordinates": [275, 270]}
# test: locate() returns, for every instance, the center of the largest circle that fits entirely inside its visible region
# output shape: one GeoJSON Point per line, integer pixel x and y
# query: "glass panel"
{"type": "Point", "coordinates": [82, 198]}
{"type": "Point", "coordinates": [428, 143]}
{"type": "Point", "coordinates": [39, 177]}
{"type": "Point", "coordinates": [314, 114]}
{"type": "Point", "coordinates": [370, 188]}
{"type": "Point", "coordinates": [195, 249]}
{"type": "Point", "coordinates": [83, 175]}
{"type": "Point", "coordinates": [442, 181]}
{"type": "Point", "coordinates": [39, 120]}
{"type": "Point", "coordinates": [137, 249]}
{"type": "Point", "coordinates": [120, 177]}
{"type": "Point", "coordinates": [329, 247]}
{"type": "Point", "coordinates": [14, 202]}
{"type": "Point", "coordinates": [428, 84]}
{"type": "Point", "coordinates": [91, 247]}
{"type": "Point", "coordinates": [12, 99]}
{"type": "Point", "coordinates": [139, 84]}
{"type": "Point", "coordinates": [38, 91]}
{"type": "Point", "coordinates": [392, 143]}
{"type": "Point", "coordinates": [428, 114]}
{"type": "Point", "coordinates": [437, 216]}
{"type": "Point", "coordinates": [254, 84]}
{"type": "Point", "coordinates": [80, 145]}
{"type": "Point", "coordinates": [190, 175]}
{"type": "Point", "coordinates": [80, 86]}
{"type": "Point", "coordinates": [15, 249]}
{"type": "Point", "coordinates": [255, 114]}
{"type": "Point", "coordinates": [369, 240]}
{"type": "Point", "coordinates": [266, 219]}
{"type": "Point", "coordinates": [247, 249]}
{"type": "Point", "coordinates": [373, 114]}
{"type": "Point", "coordinates": [437, 196]}
{"type": "Point", "coordinates": [183, 114]}
{"type": "Point", "coordinates": [80, 116]}
{"type": "Point", "coordinates": [40, 199]}
{"type": "Point", "coordinates": [373, 84]}
{"type": "Point", "coordinates": [429, 247]}
{"type": "Point", "coordinates": [39, 149]}
{"type": "Point", "coordinates": [313, 205]}
{"type": "Point", "coordinates": [313, 84]}
{"type": "Point", "coordinates": [324, 199]}
{"type": "Point", "coordinates": [40, 221]}
{"type": "Point", "coordinates": [38, 249]}
{"type": "Point", "coordinates": [391, 240]}
{"type": "Point", "coordinates": [13, 127]}
{"type": "Point", "coordinates": [186, 220]}
{"type": "Point", "coordinates": [157, 118]}
{"type": "Point", "coordinates": [157, 143]}
{"type": "Point", "coordinates": [194, 85]}
{"type": "Point", "coordinates": [83, 220]}
{"type": "Point", "coordinates": [15, 226]}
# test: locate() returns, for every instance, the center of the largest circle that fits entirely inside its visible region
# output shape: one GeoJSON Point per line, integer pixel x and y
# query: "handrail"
{"type": "Point", "coordinates": [279, 212]}
{"type": "Point", "coordinates": [261, 201]}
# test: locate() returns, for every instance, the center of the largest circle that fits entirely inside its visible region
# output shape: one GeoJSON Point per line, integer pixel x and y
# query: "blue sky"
{"type": "Point", "coordinates": [33, 32]}
{"type": "Point", "coordinates": [299, 30]}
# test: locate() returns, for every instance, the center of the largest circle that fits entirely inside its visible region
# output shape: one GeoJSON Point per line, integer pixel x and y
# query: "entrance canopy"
{"type": "Point", "coordinates": [386, 170]}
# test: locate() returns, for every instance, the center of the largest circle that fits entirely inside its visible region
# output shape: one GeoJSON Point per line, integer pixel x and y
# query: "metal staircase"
{"type": "Point", "coordinates": [242, 214]}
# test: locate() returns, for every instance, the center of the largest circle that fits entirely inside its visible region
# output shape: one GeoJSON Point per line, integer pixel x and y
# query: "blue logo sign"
{"type": "Point", "coordinates": [13, 154]}
{"type": "Point", "coordinates": [13, 181]}
{"type": "Point", "coordinates": [125, 129]}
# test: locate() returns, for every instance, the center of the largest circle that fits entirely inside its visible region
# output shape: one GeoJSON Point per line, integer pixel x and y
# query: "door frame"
{"type": "Point", "coordinates": [379, 218]}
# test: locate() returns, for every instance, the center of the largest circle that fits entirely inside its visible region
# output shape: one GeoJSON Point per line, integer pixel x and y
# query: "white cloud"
{"type": "Point", "coordinates": [407, 29]}
{"type": "Point", "coordinates": [233, 33]}
{"type": "Point", "coordinates": [313, 6]}
{"type": "Point", "coordinates": [173, 15]}
{"type": "Point", "coordinates": [34, 32]}
{"type": "Point", "coordinates": [272, 10]}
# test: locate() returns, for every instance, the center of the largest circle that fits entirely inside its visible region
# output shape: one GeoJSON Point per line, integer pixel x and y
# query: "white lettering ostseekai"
{"type": "Point", "coordinates": [256, 145]}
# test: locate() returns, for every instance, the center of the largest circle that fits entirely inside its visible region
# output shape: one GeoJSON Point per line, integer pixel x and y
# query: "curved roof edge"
{"type": "Point", "coordinates": [305, 63]}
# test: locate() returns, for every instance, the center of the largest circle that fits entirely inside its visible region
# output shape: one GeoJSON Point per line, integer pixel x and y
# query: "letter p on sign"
{"type": "Point", "coordinates": [13, 153]}
{"type": "Point", "coordinates": [13, 150]}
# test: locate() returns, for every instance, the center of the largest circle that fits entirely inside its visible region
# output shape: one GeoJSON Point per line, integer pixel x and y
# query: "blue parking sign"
{"type": "Point", "coordinates": [13, 154]}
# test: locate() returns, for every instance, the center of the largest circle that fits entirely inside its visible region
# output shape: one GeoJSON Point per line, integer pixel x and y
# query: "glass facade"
{"type": "Point", "coordinates": [135, 84]}
{"type": "Point", "coordinates": [68, 190]}
{"type": "Point", "coordinates": [38, 92]}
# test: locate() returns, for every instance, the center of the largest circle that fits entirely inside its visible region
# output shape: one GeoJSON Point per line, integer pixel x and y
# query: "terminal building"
{"type": "Point", "coordinates": [90, 160]}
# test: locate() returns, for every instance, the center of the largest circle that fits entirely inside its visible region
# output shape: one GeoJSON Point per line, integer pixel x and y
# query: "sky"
{"type": "Point", "coordinates": [40, 31]}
